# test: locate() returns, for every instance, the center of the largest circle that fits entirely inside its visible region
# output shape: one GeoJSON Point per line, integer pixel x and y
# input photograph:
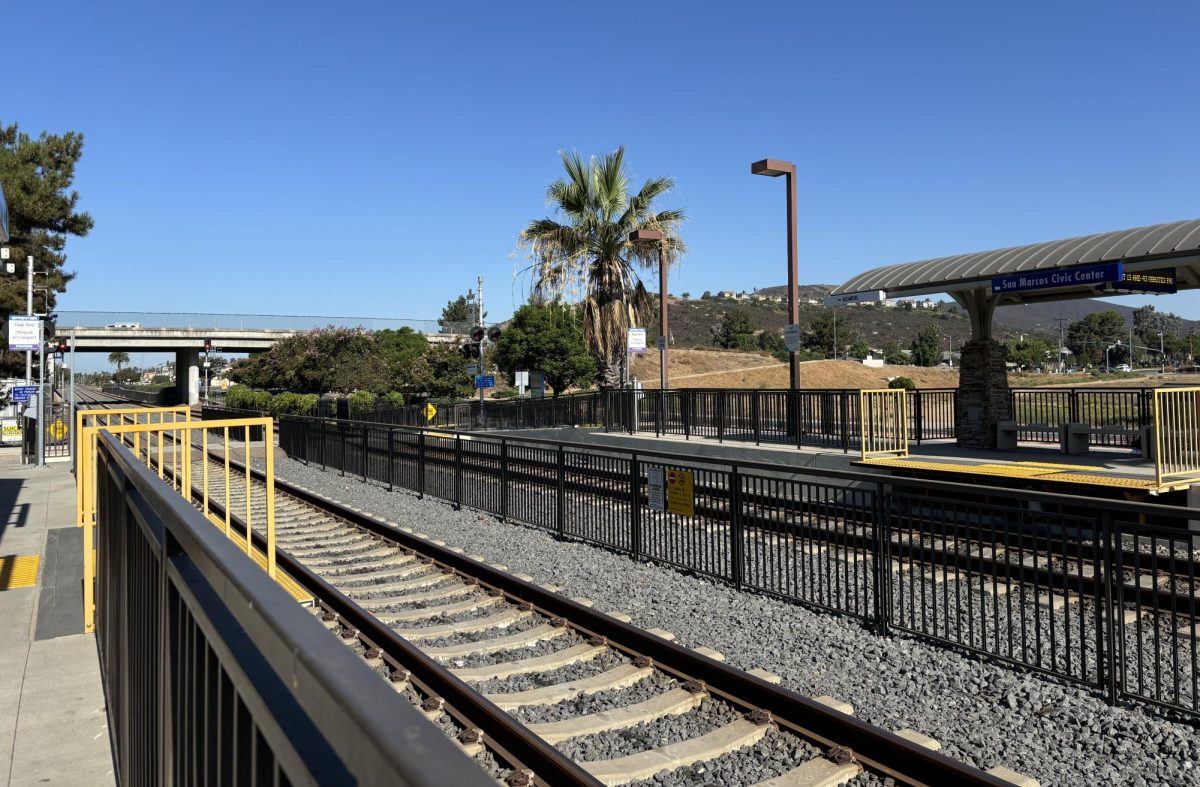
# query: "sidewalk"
{"type": "Point", "coordinates": [53, 726]}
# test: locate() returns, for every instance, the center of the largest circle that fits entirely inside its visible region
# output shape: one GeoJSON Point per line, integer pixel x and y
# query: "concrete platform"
{"type": "Point", "coordinates": [53, 722]}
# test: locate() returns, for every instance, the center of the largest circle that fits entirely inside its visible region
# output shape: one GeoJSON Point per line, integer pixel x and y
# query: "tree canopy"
{"type": "Point", "coordinates": [590, 249]}
{"type": "Point", "coordinates": [459, 314]}
{"type": "Point", "coordinates": [36, 175]}
{"type": "Point", "coordinates": [1088, 338]}
{"type": "Point", "coordinates": [736, 329]}
{"type": "Point", "coordinates": [927, 347]}
{"type": "Point", "coordinates": [547, 338]}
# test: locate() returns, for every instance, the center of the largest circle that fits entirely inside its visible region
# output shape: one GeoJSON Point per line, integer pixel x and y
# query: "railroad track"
{"type": "Point", "coordinates": [576, 679]}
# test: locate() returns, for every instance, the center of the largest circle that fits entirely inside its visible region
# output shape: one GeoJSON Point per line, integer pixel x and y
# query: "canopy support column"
{"type": "Point", "coordinates": [983, 399]}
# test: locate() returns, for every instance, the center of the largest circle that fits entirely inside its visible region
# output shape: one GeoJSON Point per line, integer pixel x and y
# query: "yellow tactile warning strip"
{"type": "Point", "coordinates": [286, 582]}
{"type": "Point", "coordinates": [18, 571]}
{"type": "Point", "coordinates": [1041, 471]}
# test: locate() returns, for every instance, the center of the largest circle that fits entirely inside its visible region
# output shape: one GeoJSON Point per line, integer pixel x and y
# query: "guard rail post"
{"type": "Point", "coordinates": [721, 415]}
{"type": "Point", "coordinates": [1107, 657]}
{"type": "Point", "coordinates": [755, 411]}
{"type": "Point", "coordinates": [845, 400]}
{"type": "Point", "coordinates": [561, 508]}
{"type": "Point", "coordinates": [635, 506]}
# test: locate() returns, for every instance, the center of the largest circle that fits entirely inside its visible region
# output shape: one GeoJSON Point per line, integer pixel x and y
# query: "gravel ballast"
{"type": "Point", "coordinates": [983, 713]}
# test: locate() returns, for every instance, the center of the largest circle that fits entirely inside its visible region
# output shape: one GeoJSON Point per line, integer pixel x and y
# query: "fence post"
{"type": "Point", "coordinates": [391, 433]}
{"type": "Point", "coordinates": [421, 464]}
{"type": "Point", "coordinates": [366, 454]}
{"type": "Point", "coordinates": [635, 506]}
{"type": "Point", "coordinates": [685, 407]}
{"type": "Point", "coordinates": [795, 416]}
{"type": "Point", "coordinates": [561, 523]}
{"type": "Point", "coordinates": [755, 409]}
{"type": "Point", "coordinates": [1107, 655]}
{"type": "Point", "coordinates": [919, 422]}
{"type": "Point", "coordinates": [342, 437]}
{"type": "Point", "coordinates": [658, 415]}
{"type": "Point", "coordinates": [1073, 405]}
{"type": "Point", "coordinates": [735, 527]}
{"type": "Point", "coordinates": [503, 479]}
{"type": "Point", "coordinates": [845, 418]}
{"type": "Point", "coordinates": [458, 471]}
{"type": "Point", "coordinates": [881, 557]}
{"type": "Point", "coordinates": [720, 415]}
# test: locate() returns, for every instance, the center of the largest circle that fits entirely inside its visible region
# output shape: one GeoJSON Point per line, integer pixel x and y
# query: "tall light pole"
{"type": "Point", "coordinates": [774, 168]}
{"type": "Point", "coordinates": [1162, 355]}
{"type": "Point", "coordinates": [647, 236]}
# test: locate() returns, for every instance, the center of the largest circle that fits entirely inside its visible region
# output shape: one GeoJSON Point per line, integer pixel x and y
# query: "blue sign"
{"type": "Point", "coordinates": [21, 393]}
{"type": "Point", "coordinates": [485, 381]}
{"type": "Point", "coordinates": [1061, 277]}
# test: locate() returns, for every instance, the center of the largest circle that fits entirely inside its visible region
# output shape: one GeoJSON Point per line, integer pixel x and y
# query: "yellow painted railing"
{"type": "Point", "coordinates": [883, 422]}
{"type": "Point", "coordinates": [1176, 435]}
{"type": "Point", "coordinates": [167, 437]}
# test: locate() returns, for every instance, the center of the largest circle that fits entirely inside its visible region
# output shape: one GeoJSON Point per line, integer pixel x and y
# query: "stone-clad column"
{"type": "Point", "coordinates": [983, 398]}
{"type": "Point", "coordinates": [187, 377]}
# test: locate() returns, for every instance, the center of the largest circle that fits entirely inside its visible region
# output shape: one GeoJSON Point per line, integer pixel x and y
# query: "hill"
{"type": "Point", "coordinates": [729, 369]}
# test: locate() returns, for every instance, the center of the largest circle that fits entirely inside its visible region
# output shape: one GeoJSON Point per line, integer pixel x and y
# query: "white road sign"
{"type": "Point", "coordinates": [791, 337]}
{"type": "Point", "coordinates": [637, 340]}
{"type": "Point", "coordinates": [24, 333]}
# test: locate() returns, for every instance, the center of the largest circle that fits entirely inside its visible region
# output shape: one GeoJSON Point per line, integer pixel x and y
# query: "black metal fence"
{"type": "Point", "coordinates": [575, 410]}
{"type": "Point", "coordinates": [214, 675]}
{"type": "Point", "coordinates": [211, 413]}
{"type": "Point", "coordinates": [164, 397]}
{"type": "Point", "coordinates": [1081, 589]}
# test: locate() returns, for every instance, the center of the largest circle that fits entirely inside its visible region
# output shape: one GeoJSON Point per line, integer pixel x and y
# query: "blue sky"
{"type": "Point", "coordinates": [373, 158]}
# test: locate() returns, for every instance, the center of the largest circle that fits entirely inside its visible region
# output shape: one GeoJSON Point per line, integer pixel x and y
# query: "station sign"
{"type": "Point", "coordinates": [24, 333]}
{"type": "Point", "coordinates": [22, 393]}
{"type": "Point", "coordinates": [1160, 280]}
{"type": "Point", "coordinates": [636, 340]}
{"type": "Point", "coordinates": [485, 381]}
{"type": "Point", "coordinates": [870, 296]}
{"type": "Point", "coordinates": [1084, 275]}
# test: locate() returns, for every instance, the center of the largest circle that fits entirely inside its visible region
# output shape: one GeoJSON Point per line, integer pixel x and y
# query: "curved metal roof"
{"type": "Point", "coordinates": [1174, 239]}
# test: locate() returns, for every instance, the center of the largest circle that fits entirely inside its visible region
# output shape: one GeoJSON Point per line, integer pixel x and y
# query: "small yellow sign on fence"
{"type": "Point", "coordinates": [680, 497]}
{"type": "Point", "coordinates": [58, 429]}
{"type": "Point", "coordinates": [430, 411]}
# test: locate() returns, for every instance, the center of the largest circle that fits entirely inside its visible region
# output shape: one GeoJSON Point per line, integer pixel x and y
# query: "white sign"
{"type": "Point", "coordinates": [791, 338]}
{"type": "Point", "coordinates": [521, 379]}
{"type": "Point", "coordinates": [24, 333]}
{"type": "Point", "coordinates": [4, 253]}
{"type": "Point", "coordinates": [871, 296]}
{"type": "Point", "coordinates": [656, 489]}
{"type": "Point", "coordinates": [637, 340]}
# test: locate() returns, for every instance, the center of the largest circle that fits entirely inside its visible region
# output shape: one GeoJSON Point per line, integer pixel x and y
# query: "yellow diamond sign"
{"type": "Point", "coordinates": [430, 411]}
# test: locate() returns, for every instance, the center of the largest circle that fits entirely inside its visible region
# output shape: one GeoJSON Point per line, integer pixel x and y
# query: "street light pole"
{"type": "Point", "coordinates": [1162, 355]}
{"type": "Point", "coordinates": [643, 236]}
{"type": "Point", "coordinates": [774, 168]}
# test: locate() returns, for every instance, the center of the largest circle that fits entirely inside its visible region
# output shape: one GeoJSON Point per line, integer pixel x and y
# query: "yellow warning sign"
{"type": "Point", "coordinates": [430, 411]}
{"type": "Point", "coordinates": [680, 499]}
{"type": "Point", "coordinates": [58, 429]}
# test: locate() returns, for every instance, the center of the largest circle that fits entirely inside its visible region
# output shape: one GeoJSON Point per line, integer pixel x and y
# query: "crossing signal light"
{"type": "Point", "coordinates": [62, 346]}
{"type": "Point", "coordinates": [470, 350]}
{"type": "Point", "coordinates": [494, 333]}
{"type": "Point", "coordinates": [477, 333]}
{"type": "Point", "coordinates": [208, 345]}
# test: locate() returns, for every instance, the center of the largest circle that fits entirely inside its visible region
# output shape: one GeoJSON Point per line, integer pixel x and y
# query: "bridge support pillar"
{"type": "Point", "coordinates": [187, 377]}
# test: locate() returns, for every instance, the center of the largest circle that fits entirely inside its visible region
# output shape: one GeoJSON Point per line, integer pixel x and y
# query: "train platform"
{"type": "Point", "coordinates": [53, 722]}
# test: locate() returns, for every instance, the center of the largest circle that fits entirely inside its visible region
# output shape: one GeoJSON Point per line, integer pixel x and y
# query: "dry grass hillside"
{"type": "Point", "coordinates": [729, 369]}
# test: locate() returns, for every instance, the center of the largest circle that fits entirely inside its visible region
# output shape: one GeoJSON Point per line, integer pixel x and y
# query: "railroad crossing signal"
{"type": "Point", "coordinates": [430, 411]}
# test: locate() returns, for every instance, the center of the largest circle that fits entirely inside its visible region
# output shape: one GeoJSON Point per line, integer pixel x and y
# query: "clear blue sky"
{"type": "Point", "coordinates": [373, 158]}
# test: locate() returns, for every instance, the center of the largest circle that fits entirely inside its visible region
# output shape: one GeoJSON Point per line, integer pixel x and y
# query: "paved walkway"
{"type": "Point", "coordinates": [53, 724]}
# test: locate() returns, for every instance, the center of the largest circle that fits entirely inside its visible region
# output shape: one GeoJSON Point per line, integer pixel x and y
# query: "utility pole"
{"type": "Point", "coordinates": [29, 312]}
{"type": "Point", "coordinates": [835, 335]}
{"type": "Point", "coordinates": [950, 338]}
{"type": "Point", "coordinates": [1061, 322]}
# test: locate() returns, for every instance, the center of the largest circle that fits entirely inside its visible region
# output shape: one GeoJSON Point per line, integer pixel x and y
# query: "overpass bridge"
{"type": "Point", "coordinates": [185, 334]}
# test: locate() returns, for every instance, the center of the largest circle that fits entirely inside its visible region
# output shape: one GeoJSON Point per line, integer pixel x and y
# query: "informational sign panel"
{"type": "Point", "coordinates": [680, 498]}
{"type": "Point", "coordinates": [1063, 277]}
{"type": "Point", "coordinates": [1161, 280]}
{"type": "Point", "coordinates": [21, 393]}
{"type": "Point", "coordinates": [11, 428]}
{"type": "Point", "coordinates": [656, 488]}
{"type": "Point", "coordinates": [537, 385]}
{"type": "Point", "coordinates": [637, 340]}
{"type": "Point", "coordinates": [24, 333]}
{"type": "Point", "coordinates": [791, 338]}
{"type": "Point", "coordinates": [485, 381]}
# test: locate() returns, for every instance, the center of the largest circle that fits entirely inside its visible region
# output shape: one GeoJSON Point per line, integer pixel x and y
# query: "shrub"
{"type": "Point", "coordinates": [903, 382]}
{"type": "Point", "coordinates": [392, 399]}
{"type": "Point", "coordinates": [361, 401]}
{"type": "Point", "coordinates": [505, 393]}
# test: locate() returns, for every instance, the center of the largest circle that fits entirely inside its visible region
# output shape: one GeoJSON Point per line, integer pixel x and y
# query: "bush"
{"type": "Point", "coordinates": [361, 401]}
{"type": "Point", "coordinates": [392, 399]}
{"type": "Point", "coordinates": [236, 396]}
{"type": "Point", "coordinates": [505, 393]}
{"type": "Point", "coordinates": [903, 382]}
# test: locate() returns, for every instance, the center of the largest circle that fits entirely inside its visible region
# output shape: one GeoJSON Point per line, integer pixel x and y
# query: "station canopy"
{"type": "Point", "coordinates": [1156, 259]}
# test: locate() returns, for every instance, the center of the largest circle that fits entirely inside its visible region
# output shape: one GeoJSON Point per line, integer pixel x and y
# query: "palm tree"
{"type": "Point", "coordinates": [118, 358]}
{"type": "Point", "coordinates": [590, 250]}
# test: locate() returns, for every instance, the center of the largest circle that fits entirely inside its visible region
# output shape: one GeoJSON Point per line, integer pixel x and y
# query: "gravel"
{"type": "Point", "coordinates": [983, 713]}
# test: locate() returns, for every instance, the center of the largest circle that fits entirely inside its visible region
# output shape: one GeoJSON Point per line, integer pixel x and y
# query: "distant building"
{"type": "Point", "coordinates": [731, 295]}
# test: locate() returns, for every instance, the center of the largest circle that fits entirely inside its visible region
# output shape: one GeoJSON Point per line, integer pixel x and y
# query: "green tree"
{"type": "Point", "coordinates": [736, 330]}
{"type": "Point", "coordinates": [593, 242]}
{"type": "Point", "coordinates": [448, 376]}
{"type": "Point", "coordinates": [1088, 338]}
{"type": "Point", "coordinates": [319, 361]}
{"type": "Point", "coordinates": [706, 295]}
{"type": "Point", "coordinates": [859, 348]}
{"type": "Point", "coordinates": [118, 359]}
{"type": "Point", "coordinates": [927, 347]}
{"type": "Point", "coordinates": [127, 375]}
{"type": "Point", "coordinates": [1031, 352]}
{"type": "Point", "coordinates": [547, 338]}
{"type": "Point", "coordinates": [829, 333]}
{"type": "Point", "coordinates": [459, 314]}
{"type": "Point", "coordinates": [893, 354]}
{"type": "Point", "coordinates": [772, 342]}
{"type": "Point", "coordinates": [405, 351]}
{"type": "Point", "coordinates": [36, 176]}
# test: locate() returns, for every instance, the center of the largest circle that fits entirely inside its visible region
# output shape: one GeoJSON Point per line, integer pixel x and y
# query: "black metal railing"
{"type": "Point", "coordinates": [1050, 582]}
{"type": "Point", "coordinates": [211, 413]}
{"type": "Point", "coordinates": [164, 397]}
{"type": "Point", "coordinates": [214, 675]}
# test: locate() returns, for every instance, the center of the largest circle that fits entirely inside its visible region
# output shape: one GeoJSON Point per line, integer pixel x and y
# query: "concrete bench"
{"type": "Point", "coordinates": [1074, 437]}
{"type": "Point", "coordinates": [1006, 433]}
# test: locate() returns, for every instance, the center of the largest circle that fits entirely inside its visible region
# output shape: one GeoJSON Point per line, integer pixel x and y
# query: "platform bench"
{"type": "Point", "coordinates": [1074, 437]}
{"type": "Point", "coordinates": [1006, 433]}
